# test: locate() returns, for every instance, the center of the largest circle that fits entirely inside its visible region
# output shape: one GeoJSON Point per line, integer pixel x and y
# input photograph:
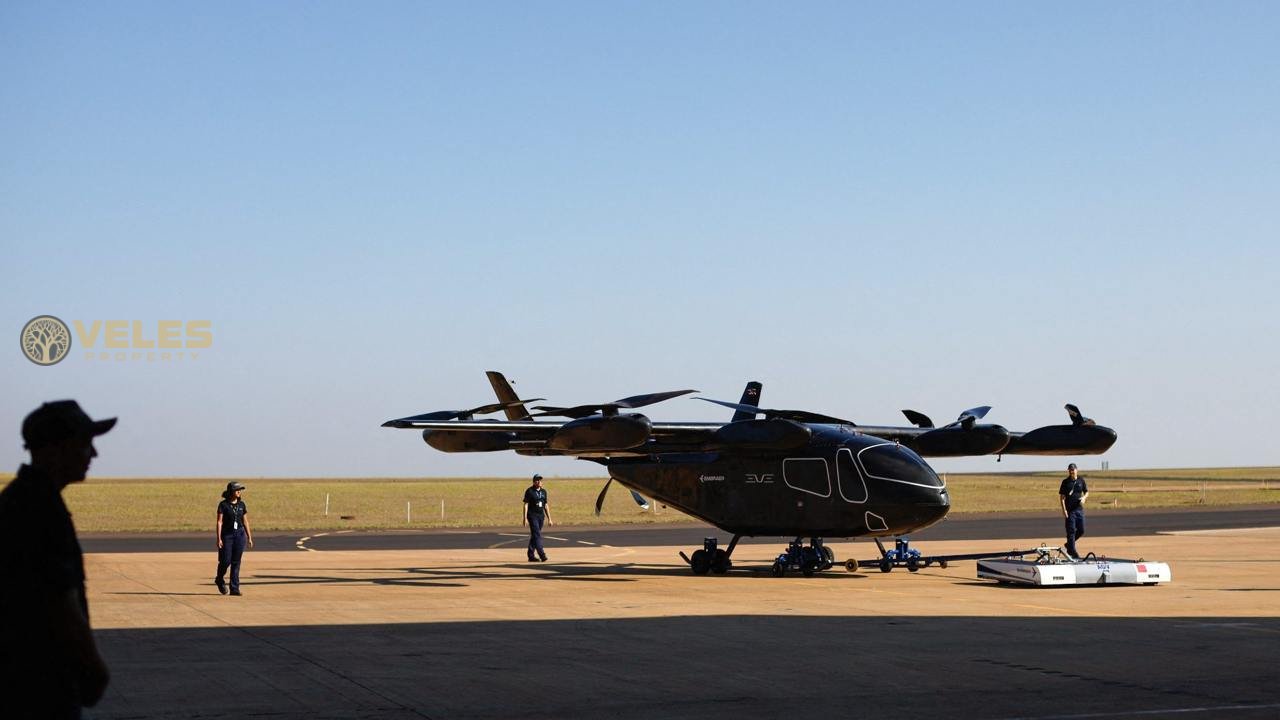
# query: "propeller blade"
{"type": "Point", "coordinates": [797, 415]}
{"type": "Point", "coordinates": [918, 419]}
{"type": "Point", "coordinates": [751, 409]}
{"type": "Point", "coordinates": [495, 407]}
{"type": "Point", "coordinates": [971, 416]}
{"type": "Point", "coordinates": [600, 497]}
{"type": "Point", "coordinates": [442, 415]}
{"type": "Point", "coordinates": [635, 401]}
{"type": "Point", "coordinates": [1077, 418]}
{"type": "Point", "coordinates": [644, 504]}
{"type": "Point", "coordinates": [580, 411]}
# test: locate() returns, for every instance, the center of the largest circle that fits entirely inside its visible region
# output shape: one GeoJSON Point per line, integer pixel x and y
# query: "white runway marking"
{"type": "Point", "coordinates": [1224, 531]}
{"type": "Point", "coordinates": [302, 543]}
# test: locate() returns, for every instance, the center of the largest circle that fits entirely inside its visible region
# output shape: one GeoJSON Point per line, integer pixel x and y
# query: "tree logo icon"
{"type": "Point", "coordinates": [46, 340]}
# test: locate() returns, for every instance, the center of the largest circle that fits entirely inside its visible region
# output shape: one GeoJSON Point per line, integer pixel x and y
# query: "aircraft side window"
{"type": "Point", "coordinates": [852, 487]}
{"type": "Point", "coordinates": [807, 475]}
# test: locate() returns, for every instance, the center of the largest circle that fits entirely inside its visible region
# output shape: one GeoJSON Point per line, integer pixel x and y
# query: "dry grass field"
{"type": "Point", "coordinates": [185, 505]}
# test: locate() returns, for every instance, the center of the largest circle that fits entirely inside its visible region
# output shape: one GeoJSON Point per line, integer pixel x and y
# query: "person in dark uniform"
{"type": "Point", "coordinates": [49, 662]}
{"type": "Point", "coordinates": [1072, 494]}
{"type": "Point", "coordinates": [535, 511]}
{"type": "Point", "coordinates": [233, 534]}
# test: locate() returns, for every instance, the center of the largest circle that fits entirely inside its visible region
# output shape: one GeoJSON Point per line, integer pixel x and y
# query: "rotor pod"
{"type": "Point", "coordinates": [1082, 437]}
{"type": "Point", "coordinates": [458, 441]}
{"type": "Point", "coordinates": [1062, 440]}
{"type": "Point", "coordinates": [957, 441]}
{"type": "Point", "coordinates": [599, 433]}
{"type": "Point", "coordinates": [776, 434]}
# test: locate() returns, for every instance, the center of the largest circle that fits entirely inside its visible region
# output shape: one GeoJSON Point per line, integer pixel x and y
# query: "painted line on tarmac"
{"type": "Point", "coordinates": [302, 543]}
{"type": "Point", "coordinates": [1141, 713]}
{"type": "Point", "coordinates": [1222, 531]}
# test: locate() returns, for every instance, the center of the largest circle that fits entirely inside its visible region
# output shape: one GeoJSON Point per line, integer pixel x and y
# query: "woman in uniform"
{"type": "Point", "coordinates": [233, 533]}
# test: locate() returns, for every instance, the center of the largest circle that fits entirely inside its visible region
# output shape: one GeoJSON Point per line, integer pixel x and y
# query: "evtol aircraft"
{"type": "Point", "coordinates": [765, 472]}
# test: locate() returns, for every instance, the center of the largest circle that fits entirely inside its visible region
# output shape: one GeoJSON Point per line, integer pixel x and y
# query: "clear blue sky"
{"type": "Point", "coordinates": [867, 208]}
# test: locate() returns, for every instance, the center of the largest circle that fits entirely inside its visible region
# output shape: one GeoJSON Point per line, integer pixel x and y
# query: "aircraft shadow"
{"type": "Point", "coordinates": [705, 667]}
{"type": "Point", "coordinates": [506, 571]}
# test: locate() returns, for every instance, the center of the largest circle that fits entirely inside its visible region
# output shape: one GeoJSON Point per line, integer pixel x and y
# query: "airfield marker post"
{"type": "Point", "coordinates": [408, 514]}
{"type": "Point", "coordinates": [326, 504]}
{"type": "Point", "coordinates": [441, 509]}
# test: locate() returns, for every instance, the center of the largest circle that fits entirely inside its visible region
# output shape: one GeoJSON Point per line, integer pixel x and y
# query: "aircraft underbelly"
{"type": "Point", "coordinates": [754, 496]}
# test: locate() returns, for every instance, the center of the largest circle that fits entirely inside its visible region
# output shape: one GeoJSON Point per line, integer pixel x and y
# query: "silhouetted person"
{"type": "Point", "coordinates": [1072, 494]}
{"type": "Point", "coordinates": [233, 534]}
{"type": "Point", "coordinates": [49, 663]}
{"type": "Point", "coordinates": [535, 511]}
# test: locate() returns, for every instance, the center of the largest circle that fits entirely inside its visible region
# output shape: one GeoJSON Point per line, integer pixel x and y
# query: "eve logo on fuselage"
{"type": "Point", "coordinates": [762, 478]}
{"type": "Point", "coordinates": [710, 478]}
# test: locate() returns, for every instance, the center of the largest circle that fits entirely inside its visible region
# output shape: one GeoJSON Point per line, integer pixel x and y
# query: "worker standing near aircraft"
{"type": "Point", "coordinates": [233, 534]}
{"type": "Point", "coordinates": [535, 511]}
{"type": "Point", "coordinates": [1071, 495]}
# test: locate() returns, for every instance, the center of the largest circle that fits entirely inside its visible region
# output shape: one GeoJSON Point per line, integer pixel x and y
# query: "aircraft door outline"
{"type": "Point", "coordinates": [856, 474]}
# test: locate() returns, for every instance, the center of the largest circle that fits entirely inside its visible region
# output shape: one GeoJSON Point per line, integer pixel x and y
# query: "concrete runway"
{"type": "Point", "coordinates": [628, 632]}
{"type": "Point", "coordinates": [1046, 526]}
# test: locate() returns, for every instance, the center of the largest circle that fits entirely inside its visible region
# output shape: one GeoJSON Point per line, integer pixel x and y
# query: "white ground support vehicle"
{"type": "Point", "coordinates": [1052, 567]}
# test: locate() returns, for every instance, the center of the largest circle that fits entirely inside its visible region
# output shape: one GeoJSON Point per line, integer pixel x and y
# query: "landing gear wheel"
{"type": "Point", "coordinates": [913, 565]}
{"type": "Point", "coordinates": [778, 570]}
{"type": "Point", "coordinates": [700, 562]}
{"type": "Point", "coordinates": [942, 564]}
{"type": "Point", "coordinates": [850, 565]}
{"type": "Point", "coordinates": [829, 555]}
{"type": "Point", "coordinates": [721, 563]}
{"type": "Point", "coordinates": [809, 568]}
{"type": "Point", "coordinates": [885, 565]}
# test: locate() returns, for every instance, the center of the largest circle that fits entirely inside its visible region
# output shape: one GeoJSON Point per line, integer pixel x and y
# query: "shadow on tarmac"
{"type": "Point", "coordinates": [721, 666]}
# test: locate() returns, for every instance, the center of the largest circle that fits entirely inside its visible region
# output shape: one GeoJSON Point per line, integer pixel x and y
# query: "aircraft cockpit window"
{"type": "Point", "coordinates": [892, 462]}
{"type": "Point", "coordinates": [807, 475]}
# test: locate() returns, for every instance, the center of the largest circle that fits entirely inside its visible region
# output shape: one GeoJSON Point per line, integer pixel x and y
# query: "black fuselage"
{"type": "Point", "coordinates": [840, 484]}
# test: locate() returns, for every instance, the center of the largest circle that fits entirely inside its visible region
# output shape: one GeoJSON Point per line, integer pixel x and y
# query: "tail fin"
{"type": "Point", "coordinates": [502, 389]}
{"type": "Point", "coordinates": [750, 396]}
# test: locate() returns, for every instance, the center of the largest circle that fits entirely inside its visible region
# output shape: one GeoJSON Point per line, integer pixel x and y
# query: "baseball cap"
{"type": "Point", "coordinates": [234, 486]}
{"type": "Point", "coordinates": [537, 477]}
{"type": "Point", "coordinates": [58, 420]}
{"type": "Point", "coordinates": [1072, 466]}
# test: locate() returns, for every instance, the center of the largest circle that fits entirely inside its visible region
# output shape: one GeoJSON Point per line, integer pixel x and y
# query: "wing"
{"type": "Point", "coordinates": [601, 431]}
{"type": "Point", "coordinates": [593, 436]}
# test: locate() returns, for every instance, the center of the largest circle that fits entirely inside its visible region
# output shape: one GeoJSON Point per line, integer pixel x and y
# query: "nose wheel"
{"type": "Point", "coordinates": [808, 559]}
